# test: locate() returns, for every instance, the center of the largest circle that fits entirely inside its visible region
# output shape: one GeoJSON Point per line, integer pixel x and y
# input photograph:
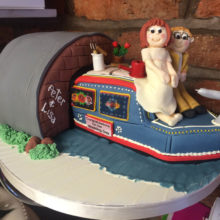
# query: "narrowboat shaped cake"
{"type": "Point", "coordinates": [104, 103]}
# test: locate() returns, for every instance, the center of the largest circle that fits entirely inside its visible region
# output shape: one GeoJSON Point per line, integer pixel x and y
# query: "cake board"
{"type": "Point", "coordinates": [76, 186]}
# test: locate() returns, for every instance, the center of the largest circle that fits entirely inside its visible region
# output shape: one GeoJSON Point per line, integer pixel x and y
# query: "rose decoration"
{"type": "Point", "coordinates": [120, 50]}
{"type": "Point", "coordinates": [81, 98]}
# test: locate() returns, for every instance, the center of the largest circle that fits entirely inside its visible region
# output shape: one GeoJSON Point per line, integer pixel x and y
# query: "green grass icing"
{"type": "Point", "coordinates": [19, 138]}
{"type": "Point", "coordinates": [13, 137]}
{"type": "Point", "coordinates": [44, 151]}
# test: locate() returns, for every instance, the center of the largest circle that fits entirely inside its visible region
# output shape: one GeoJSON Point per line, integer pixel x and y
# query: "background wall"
{"type": "Point", "coordinates": [122, 20]}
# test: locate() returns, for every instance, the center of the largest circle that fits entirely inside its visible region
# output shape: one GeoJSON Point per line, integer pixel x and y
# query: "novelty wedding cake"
{"type": "Point", "coordinates": [145, 107]}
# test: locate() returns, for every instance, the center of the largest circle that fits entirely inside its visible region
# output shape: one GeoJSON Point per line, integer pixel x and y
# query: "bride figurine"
{"type": "Point", "coordinates": [155, 91]}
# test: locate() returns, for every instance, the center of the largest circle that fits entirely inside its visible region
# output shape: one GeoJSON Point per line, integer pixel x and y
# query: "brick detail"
{"type": "Point", "coordinates": [134, 52]}
{"type": "Point", "coordinates": [208, 8]}
{"type": "Point", "coordinates": [126, 9]}
{"type": "Point", "coordinates": [7, 34]}
{"type": "Point", "coordinates": [204, 51]}
{"type": "Point", "coordinates": [74, 57]}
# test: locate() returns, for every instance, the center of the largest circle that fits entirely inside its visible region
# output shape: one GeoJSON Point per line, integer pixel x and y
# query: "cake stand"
{"type": "Point", "coordinates": [75, 186]}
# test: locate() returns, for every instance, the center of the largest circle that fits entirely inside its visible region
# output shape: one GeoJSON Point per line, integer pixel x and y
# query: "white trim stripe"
{"type": "Point", "coordinates": [191, 154]}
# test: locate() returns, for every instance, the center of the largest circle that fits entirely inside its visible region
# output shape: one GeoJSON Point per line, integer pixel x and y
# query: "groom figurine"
{"type": "Point", "coordinates": [180, 41]}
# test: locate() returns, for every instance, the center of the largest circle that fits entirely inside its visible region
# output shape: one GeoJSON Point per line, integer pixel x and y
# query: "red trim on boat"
{"type": "Point", "coordinates": [105, 80]}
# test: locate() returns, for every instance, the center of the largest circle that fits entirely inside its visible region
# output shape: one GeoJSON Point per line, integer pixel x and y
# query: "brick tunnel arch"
{"type": "Point", "coordinates": [36, 70]}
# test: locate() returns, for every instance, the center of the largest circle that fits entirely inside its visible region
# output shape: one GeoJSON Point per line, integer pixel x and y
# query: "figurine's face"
{"type": "Point", "coordinates": [156, 36]}
{"type": "Point", "coordinates": [180, 41]}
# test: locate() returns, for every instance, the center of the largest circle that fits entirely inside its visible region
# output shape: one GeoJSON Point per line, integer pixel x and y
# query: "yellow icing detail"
{"type": "Point", "coordinates": [187, 131]}
{"type": "Point", "coordinates": [88, 89]}
{"type": "Point", "coordinates": [93, 116]}
{"type": "Point", "coordinates": [120, 94]}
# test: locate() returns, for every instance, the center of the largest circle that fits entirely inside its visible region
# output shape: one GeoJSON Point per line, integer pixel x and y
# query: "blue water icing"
{"type": "Point", "coordinates": [117, 159]}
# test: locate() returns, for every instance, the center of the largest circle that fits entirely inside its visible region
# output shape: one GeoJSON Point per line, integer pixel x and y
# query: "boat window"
{"type": "Point", "coordinates": [114, 105]}
{"type": "Point", "coordinates": [83, 98]}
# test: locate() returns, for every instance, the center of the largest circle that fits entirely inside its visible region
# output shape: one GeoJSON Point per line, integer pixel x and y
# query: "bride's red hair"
{"type": "Point", "coordinates": [152, 22]}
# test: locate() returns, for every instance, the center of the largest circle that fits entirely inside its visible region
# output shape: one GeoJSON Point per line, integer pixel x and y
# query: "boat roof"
{"type": "Point", "coordinates": [110, 76]}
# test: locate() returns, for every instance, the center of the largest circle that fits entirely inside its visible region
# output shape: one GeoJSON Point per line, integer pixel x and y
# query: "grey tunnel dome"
{"type": "Point", "coordinates": [35, 74]}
